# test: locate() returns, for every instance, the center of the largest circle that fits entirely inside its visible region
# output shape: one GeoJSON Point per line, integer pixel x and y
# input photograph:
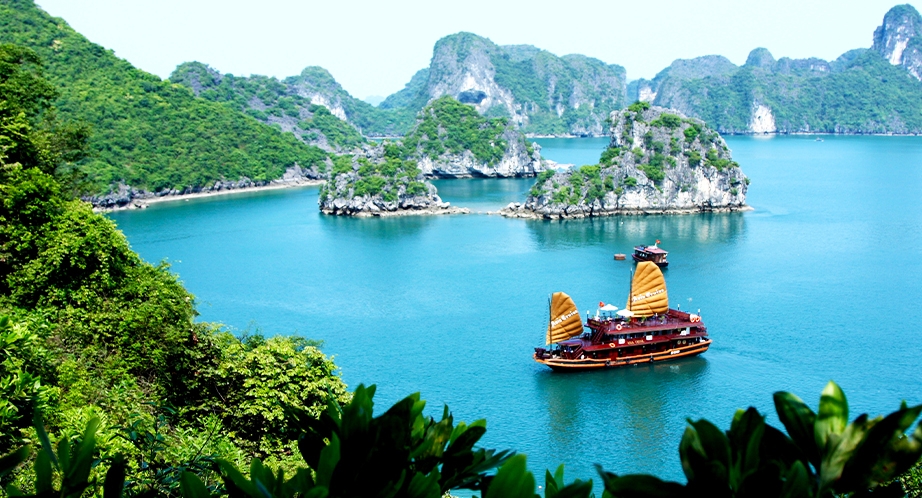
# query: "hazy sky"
{"type": "Point", "coordinates": [372, 48]}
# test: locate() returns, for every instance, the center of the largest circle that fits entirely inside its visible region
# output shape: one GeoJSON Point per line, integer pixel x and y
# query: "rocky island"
{"type": "Point", "coordinates": [658, 162]}
{"type": "Point", "coordinates": [449, 140]}
{"type": "Point", "coordinates": [378, 182]}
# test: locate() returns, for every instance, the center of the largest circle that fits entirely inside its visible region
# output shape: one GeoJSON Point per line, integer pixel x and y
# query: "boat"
{"type": "Point", "coordinates": [651, 253]}
{"type": "Point", "coordinates": [646, 331]}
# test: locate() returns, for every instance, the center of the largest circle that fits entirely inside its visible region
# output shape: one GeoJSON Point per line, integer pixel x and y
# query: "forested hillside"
{"type": "Point", "coordinates": [873, 90]}
{"type": "Point", "coordinates": [91, 332]}
{"type": "Point", "coordinates": [145, 132]}
{"type": "Point", "coordinates": [312, 105]}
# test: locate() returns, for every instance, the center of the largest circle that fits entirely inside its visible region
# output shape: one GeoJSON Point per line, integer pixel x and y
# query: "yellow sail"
{"type": "Point", "coordinates": [648, 291]}
{"type": "Point", "coordinates": [565, 320]}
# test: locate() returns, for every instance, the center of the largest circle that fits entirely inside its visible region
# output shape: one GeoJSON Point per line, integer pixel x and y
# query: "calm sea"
{"type": "Point", "coordinates": [821, 281]}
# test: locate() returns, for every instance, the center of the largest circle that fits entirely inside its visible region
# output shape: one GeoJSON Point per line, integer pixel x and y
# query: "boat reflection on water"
{"type": "Point", "coordinates": [634, 407]}
{"type": "Point", "coordinates": [622, 232]}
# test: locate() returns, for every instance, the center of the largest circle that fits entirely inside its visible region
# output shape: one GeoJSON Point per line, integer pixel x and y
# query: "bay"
{"type": "Point", "coordinates": [818, 282]}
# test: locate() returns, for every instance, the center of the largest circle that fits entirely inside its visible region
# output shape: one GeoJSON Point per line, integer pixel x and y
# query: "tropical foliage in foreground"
{"type": "Point", "coordinates": [349, 452]}
{"type": "Point", "coordinates": [89, 331]}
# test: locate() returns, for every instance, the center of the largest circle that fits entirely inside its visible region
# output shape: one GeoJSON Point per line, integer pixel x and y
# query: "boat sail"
{"type": "Point", "coordinates": [646, 332]}
{"type": "Point", "coordinates": [565, 321]}
{"type": "Point", "coordinates": [648, 295]}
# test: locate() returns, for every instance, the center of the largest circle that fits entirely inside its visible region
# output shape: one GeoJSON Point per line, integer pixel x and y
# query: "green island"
{"type": "Point", "coordinates": [658, 162]}
{"type": "Point", "coordinates": [449, 140]}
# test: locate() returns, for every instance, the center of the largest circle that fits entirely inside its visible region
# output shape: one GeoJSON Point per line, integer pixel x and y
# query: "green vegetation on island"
{"type": "Point", "coordinates": [378, 181]}
{"type": "Point", "coordinates": [450, 139]}
{"type": "Point", "coordinates": [658, 161]}
{"type": "Point", "coordinates": [861, 92]}
{"type": "Point", "coordinates": [147, 133]}
{"type": "Point", "coordinates": [447, 126]}
{"type": "Point", "coordinates": [90, 332]}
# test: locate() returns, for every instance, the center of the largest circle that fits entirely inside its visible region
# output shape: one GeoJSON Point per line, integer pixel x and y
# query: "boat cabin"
{"type": "Point", "coordinates": [652, 254]}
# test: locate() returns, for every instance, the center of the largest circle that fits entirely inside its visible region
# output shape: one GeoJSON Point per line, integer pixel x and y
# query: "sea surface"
{"type": "Point", "coordinates": [820, 281]}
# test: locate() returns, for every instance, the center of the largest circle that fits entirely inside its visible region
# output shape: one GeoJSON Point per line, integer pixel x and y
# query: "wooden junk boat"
{"type": "Point", "coordinates": [646, 331]}
{"type": "Point", "coordinates": [651, 253]}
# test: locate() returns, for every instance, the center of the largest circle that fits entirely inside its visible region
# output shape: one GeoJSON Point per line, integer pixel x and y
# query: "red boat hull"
{"type": "Point", "coordinates": [563, 364]}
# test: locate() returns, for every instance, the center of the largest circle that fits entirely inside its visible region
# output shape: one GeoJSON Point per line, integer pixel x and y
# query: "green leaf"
{"type": "Point", "coordinates": [553, 482]}
{"type": "Point", "coordinates": [796, 482]}
{"type": "Point", "coordinates": [576, 489]}
{"type": "Point", "coordinates": [886, 450]}
{"type": "Point", "coordinates": [9, 462]}
{"type": "Point", "coordinates": [424, 486]}
{"type": "Point", "coordinates": [230, 472]}
{"type": "Point", "coordinates": [79, 471]}
{"type": "Point", "coordinates": [114, 484]}
{"type": "Point", "coordinates": [639, 486]}
{"type": "Point", "coordinates": [513, 480]}
{"type": "Point", "coordinates": [329, 457]}
{"type": "Point", "coordinates": [832, 417]}
{"type": "Point", "coordinates": [44, 480]}
{"type": "Point", "coordinates": [43, 437]}
{"type": "Point", "coordinates": [191, 486]}
{"type": "Point", "coordinates": [799, 421]}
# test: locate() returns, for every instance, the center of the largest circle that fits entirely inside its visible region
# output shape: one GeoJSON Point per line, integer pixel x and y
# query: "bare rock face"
{"type": "Point", "coordinates": [897, 39]}
{"type": "Point", "coordinates": [659, 162]}
{"type": "Point", "coordinates": [519, 160]}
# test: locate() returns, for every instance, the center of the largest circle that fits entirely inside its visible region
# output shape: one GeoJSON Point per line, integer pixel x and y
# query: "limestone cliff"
{"type": "Point", "coordinates": [658, 162]}
{"type": "Point", "coordinates": [539, 92]}
{"type": "Point", "coordinates": [898, 40]}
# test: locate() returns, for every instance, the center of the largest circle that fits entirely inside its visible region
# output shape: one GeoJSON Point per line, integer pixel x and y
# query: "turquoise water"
{"type": "Point", "coordinates": [819, 282]}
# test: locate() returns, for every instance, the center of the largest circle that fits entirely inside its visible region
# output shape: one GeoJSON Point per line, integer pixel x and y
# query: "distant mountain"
{"type": "Point", "coordinates": [274, 102]}
{"type": "Point", "coordinates": [147, 133]}
{"type": "Point", "coordinates": [289, 102]}
{"type": "Point", "coordinates": [863, 91]}
{"type": "Point", "coordinates": [540, 92]}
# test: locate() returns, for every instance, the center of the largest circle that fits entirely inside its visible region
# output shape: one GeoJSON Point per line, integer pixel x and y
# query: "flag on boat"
{"type": "Point", "coordinates": [565, 319]}
{"type": "Point", "coordinates": [601, 304]}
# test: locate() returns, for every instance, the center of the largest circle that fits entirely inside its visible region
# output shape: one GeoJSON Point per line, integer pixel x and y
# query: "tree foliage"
{"type": "Point", "coordinates": [147, 133]}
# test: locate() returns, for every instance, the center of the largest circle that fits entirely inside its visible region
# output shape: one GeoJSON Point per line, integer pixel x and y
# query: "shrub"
{"type": "Point", "coordinates": [667, 120]}
{"type": "Point", "coordinates": [639, 106]}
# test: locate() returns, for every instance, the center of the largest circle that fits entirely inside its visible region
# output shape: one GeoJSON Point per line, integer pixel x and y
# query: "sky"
{"type": "Point", "coordinates": [373, 48]}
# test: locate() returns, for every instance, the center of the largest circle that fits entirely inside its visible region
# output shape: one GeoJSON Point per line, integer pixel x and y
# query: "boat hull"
{"type": "Point", "coordinates": [566, 365]}
{"type": "Point", "coordinates": [638, 259]}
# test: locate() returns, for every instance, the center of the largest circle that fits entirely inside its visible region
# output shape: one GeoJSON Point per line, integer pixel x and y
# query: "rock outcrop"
{"type": "Point", "coordinates": [376, 182]}
{"type": "Point", "coordinates": [658, 162]}
{"type": "Point", "coordinates": [898, 39]}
